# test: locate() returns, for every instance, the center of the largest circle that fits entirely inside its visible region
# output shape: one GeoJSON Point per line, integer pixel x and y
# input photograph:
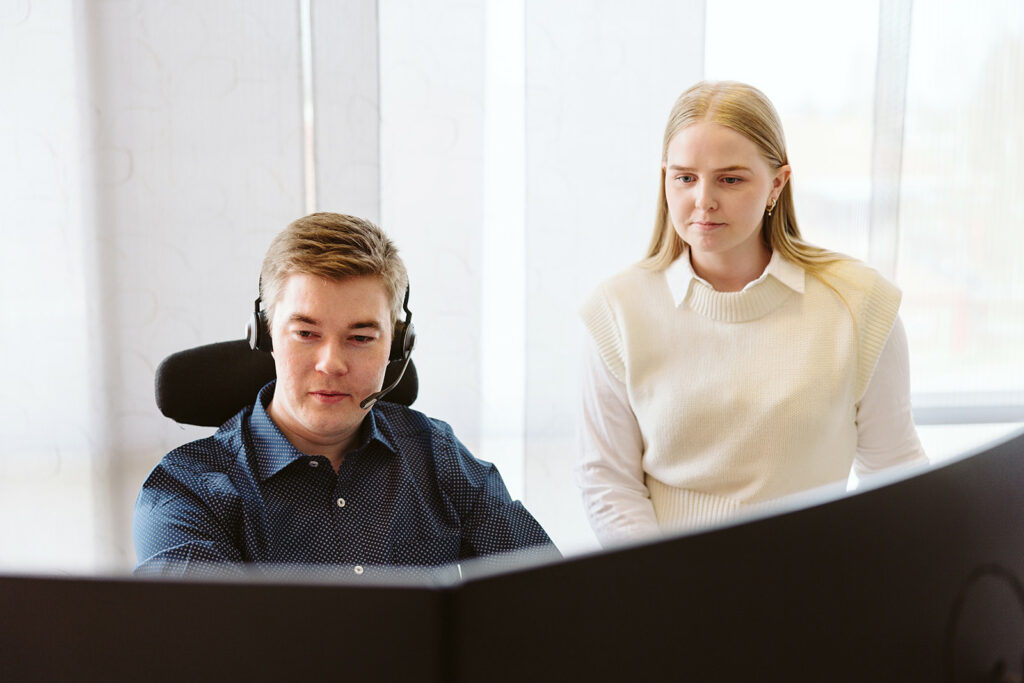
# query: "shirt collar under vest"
{"type": "Point", "coordinates": [779, 279]}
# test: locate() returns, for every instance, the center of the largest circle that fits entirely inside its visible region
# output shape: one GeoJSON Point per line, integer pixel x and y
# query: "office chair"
{"type": "Point", "coordinates": [206, 385]}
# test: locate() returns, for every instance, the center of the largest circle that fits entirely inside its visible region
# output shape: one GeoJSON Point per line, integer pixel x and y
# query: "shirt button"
{"type": "Point", "coordinates": [341, 502]}
{"type": "Point", "coordinates": [358, 569]}
{"type": "Point", "coordinates": [314, 463]}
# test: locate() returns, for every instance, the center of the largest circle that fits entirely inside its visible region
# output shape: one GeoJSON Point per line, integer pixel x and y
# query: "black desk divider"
{"type": "Point", "coordinates": [916, 580]}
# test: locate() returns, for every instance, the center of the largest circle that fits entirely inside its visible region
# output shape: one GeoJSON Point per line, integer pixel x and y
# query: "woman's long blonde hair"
{"type": "Point", "coordinates": [746, 110]}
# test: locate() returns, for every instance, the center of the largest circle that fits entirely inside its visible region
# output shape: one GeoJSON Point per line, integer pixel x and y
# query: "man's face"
{"type": "Point", "coordinates": [331, 343]}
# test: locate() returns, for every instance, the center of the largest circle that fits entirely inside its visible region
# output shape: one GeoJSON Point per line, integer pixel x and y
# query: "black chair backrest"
{"type": "Point", "coordinates": [207, 385]}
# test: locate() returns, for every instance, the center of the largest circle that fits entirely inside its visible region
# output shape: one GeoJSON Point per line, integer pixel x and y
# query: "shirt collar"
{"type": "Point", "coordinates": [273, 452]}
{"type": "Point", "coordinates": [680, 275]}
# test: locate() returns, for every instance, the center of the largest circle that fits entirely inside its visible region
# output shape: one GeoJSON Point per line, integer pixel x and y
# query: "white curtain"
{"type": "Point", "coordinates": [150, 150]}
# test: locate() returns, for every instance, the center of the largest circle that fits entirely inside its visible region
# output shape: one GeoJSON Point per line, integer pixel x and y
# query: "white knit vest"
{"type": "Point", "coordinates": [742, 397]}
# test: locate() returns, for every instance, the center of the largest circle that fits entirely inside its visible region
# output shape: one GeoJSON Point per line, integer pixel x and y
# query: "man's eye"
{"type": "Point", "coordinates": [303, 334]}
{"type": "Point", "coordinates": [731, 180]}
{"type": "Point", "coordinates": [361, 338]}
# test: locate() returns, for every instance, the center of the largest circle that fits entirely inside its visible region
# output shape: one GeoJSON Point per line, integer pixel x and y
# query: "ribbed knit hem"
{"type": "Point", "coordinates": [881, 306]}
{"type": "Point", "coordinates": [678, 509]}
{"type": "Point", "coordinates": [874, 303]}
{"type": "Point", "coordinates": [597, 316]}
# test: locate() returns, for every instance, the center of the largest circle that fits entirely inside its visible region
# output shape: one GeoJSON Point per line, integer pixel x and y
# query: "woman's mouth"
{"type": "Point", "coordinates": [706, 226]}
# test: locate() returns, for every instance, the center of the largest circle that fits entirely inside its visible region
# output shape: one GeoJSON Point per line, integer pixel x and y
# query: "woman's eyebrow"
{"type": "Point", "coordinates": [726, 169]}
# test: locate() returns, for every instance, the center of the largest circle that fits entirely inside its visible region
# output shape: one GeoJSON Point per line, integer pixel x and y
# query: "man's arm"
{"type": "Point", "coordinates": [175, 530]}
{"type": "Point", "coordinates": [492, 523]}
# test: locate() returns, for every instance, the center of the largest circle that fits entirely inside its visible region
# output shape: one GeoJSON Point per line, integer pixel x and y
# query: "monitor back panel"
{"type": "Point", "coordinates": [75, 629]}
{"type": "Point", "coordinates": [919, 580]}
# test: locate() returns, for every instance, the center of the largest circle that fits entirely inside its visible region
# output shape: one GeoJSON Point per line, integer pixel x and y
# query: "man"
{"type": "Point", "coordinates": [307, 475]}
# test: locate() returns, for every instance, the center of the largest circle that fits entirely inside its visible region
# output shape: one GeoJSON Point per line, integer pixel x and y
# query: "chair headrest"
{"type": "Point", "coordinates": [207, 385]}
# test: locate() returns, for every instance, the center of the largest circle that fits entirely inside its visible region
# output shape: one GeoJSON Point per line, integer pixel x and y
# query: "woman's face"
{"type": "Point", "coordinates": [718, 186]}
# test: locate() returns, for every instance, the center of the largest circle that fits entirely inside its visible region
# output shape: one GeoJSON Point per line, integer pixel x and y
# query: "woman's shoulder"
{"type": "Point", "coordinates": [874, 303]}
{"type": "Point", "coordinates": [621, 289]}
{"type": "Point", "coordinates": [629, 281]}
{"type": "Point", "coordinates": [853, 273]}
{"type": "Point", "coordinates": [862, 287]}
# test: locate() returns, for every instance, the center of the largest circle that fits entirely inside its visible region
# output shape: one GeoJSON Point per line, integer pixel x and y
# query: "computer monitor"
{"type": "Point", "coordinates": [125, 629]}
{"type": "Point", "coordinates": [918, 579]}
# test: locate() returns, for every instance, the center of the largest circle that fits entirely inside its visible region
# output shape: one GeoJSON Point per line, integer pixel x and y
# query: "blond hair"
{"type": "Point", "coordinates": [333, 246]}
{"type": "Point", "coordinates": [746, 110]}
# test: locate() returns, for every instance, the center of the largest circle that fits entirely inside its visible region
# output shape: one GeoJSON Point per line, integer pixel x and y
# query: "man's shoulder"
{"type": "Point", "coordinates": [404, 421]}
{"type": "Point", "coordinates": [429, 444]}
{"type": "Point", "coordinates": [214, 453]}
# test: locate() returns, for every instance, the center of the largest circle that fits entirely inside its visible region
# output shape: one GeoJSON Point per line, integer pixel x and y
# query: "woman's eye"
{"type": "Point", "coordinates": [731, 180]}
{"type": "Point", "coordinates": [684, 178]}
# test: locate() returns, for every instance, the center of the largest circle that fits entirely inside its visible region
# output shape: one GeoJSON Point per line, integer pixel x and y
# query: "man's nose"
{"type": "Point", "coordinates": [332, 359]}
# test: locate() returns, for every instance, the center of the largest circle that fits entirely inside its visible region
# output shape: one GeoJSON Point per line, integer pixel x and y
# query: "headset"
{"type": "Point", "coordinates": [257, 333]}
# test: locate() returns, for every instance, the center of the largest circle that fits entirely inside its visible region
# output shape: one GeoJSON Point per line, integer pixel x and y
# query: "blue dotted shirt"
{"type": "Point", "coordinates": [410, 494]}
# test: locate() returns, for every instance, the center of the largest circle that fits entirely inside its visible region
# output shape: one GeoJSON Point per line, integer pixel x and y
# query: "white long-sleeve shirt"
{"type": "Point", "coordinates": [609, 467]}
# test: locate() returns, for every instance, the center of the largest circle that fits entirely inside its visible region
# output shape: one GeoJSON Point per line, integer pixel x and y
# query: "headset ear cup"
{"type": "Point", "coordinates": [265, 342]}
{"type": "Point", "coordinates": [257, 334]}
{"type": "Point", "coordinates": [408, 340]}
{"type": "Point", "coordinates": [404, 341]}
{"type": "Point", "coordinates": [405, 335]}
{"type": "Point", "coordinates": [252, 331]}
{"type": "Point", "coordinates": [397, 352]}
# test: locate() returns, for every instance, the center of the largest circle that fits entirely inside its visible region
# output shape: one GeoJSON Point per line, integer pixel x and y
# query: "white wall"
{"type": "Point", "coordinates": [431, 90]}
{"type": "Point", "coordinates": [44, 346]}
{"type": "Point", "coordinates": [601, 78]}
{"type": "Point", "coordinates": [158, 150]}
{"type": "Point", "coordinates": [150, 150]}
{"type": "Point", "coordinates": [195, 140]}
{"type": "Point", "coordinates": [594, 101]}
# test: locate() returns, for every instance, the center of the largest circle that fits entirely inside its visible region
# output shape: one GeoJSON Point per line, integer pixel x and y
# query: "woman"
{"type": "Point", "coordinates": [737, 363]}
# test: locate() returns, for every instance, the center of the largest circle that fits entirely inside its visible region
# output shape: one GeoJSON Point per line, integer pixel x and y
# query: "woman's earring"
{"type": "Point", "coordinates": [772, 207]}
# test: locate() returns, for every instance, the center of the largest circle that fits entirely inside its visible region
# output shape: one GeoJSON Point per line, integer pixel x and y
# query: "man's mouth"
{"type": "Point", "coordinates": [328, 396]}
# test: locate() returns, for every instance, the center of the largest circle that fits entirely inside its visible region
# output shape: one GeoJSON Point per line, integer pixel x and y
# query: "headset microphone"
{"type": "Point", "coordinates": [370, 400]}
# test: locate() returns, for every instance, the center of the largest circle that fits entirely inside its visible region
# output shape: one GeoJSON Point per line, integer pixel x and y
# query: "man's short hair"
{"type": "Point", "coordinates": [333, 246]}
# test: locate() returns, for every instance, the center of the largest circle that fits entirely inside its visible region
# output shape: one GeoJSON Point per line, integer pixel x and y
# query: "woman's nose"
{"type": "Point", "coordinates": [705, 197]}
